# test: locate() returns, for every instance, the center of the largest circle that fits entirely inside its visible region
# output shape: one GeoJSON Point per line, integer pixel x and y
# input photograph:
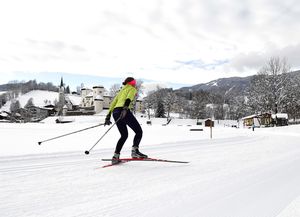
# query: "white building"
{"type": "Point", "coordinates": [92, 98]}
{"type": "Point", "coordinates": [97, 99]}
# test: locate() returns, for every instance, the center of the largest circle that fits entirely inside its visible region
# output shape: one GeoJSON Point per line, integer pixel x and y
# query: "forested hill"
{"type": "Point", "coordinates": [25, 87]}
{"type": "Point", "coordinates": [234, 84]}
{"type": "Point", "coordinates": [222, 85]}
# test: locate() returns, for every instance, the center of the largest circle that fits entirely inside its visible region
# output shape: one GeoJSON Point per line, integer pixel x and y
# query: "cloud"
{"type": "Point", "coordinates": [190, 41]}
{"type": "Point", "coordinates": [200, 64]}
{"type": "Point", "coordinates": [255, 60]}
{"type": "Point", "coordinates": [243, 61]}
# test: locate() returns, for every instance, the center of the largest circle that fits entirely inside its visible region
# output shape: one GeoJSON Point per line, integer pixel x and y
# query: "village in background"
{"type": "Point", "coordinates": [37, 105]}
{"type": "Point", "coordinates": [269, 98]}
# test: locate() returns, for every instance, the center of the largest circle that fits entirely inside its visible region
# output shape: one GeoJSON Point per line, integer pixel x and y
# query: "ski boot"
{"type": "Point", "coordinates": [135, 153]}
{"type": "Point", "coordinates": [115, 159]}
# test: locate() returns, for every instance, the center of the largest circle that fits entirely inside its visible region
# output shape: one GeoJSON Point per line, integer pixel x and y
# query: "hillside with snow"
{"type": "Point", "coordinates": [237, 173]}
{"type": "Point", "coordinates": [40, 98]}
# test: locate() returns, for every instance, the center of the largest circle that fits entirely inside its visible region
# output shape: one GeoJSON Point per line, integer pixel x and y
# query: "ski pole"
{"type": "Point", "coordinates": [88, 151]}
{"type": "Point", "coordinates": [69, 133]}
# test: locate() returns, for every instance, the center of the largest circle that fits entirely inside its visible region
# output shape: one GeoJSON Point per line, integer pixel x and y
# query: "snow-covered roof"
{"type": "Point", "coordinates": [98, 97]}
{"type": "Point", "coordinates": [248, 117]}
{"type": "Point", "coordinates": [3, 114]}
{"type": "Point", "coordinates": [280, 115]}
{"type": "Point", "coordinates": [90, 94]}
{"type": "Point", "coordinates": [98, 86]}
{"type": "Point", "coordinates": [75, 99]}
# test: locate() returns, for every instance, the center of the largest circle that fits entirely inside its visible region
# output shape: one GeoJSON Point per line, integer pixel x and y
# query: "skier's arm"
{"type": "Point", "coordinates": [113, 104]}
{"type": "Point", "coordinates": [130, 97]}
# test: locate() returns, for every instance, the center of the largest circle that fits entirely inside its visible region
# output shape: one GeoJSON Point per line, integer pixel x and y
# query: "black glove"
{"type": "Point", "coordinates": [125, 108]}
{"type": "Point", "coordinates": [124, 112]}
{"type": "Point", "coordinates": [107, 120]}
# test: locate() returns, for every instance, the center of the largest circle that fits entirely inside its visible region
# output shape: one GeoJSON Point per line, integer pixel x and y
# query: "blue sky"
{"type": "Point", "coordinates": [172, 41]}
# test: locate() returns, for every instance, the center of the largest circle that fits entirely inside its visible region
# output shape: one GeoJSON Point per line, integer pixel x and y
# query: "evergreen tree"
{"type": "Point", "coordinates": [29, 103]}
{"type": "Point", "coordinates": [292, 101]}
{"type": "Point", "coordinates": [67, 91]}
{"type": "Point", "coordinates": [160, 111]}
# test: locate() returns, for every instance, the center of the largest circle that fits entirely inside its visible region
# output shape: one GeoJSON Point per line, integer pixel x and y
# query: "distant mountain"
{"type": "Point", "coordinates": [236, 85]}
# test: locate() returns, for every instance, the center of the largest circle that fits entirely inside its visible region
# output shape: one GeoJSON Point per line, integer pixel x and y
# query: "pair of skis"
{"type": "Point", "coordinates": [125, 160]}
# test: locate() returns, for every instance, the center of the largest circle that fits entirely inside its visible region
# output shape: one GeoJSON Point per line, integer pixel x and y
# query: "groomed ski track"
{"type": "Point", "coordinates": [240, 175]}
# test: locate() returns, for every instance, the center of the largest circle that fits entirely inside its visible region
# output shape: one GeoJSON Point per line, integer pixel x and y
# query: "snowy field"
{"type": "Point", "coordinates": [237, 173]}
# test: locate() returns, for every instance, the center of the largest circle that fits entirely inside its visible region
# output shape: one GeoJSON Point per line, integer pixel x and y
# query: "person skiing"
{"type": "Point", "coordinates": [120, 109]}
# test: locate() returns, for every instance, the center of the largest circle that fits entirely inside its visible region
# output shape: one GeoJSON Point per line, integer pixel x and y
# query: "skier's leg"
{"type": "Point", "coordinates": [122, 129]}
{"type": "Point", "coordinates": [136, 127]}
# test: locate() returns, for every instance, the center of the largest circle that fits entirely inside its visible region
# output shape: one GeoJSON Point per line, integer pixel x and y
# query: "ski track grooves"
{"type": "Point", "coordinates": [237, 176]}
{"type": "Point", "coordinates": [33, 163]}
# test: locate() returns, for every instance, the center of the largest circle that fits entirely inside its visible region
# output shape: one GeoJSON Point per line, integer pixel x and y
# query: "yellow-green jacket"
{"type": "Point", "coordinates": [127, 92]}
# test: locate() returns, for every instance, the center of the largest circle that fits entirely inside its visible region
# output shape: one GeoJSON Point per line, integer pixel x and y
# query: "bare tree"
{"type": "Point", "coordinates": [237, 108]}
{"type": "Point", "coordinates": [15, 106]}
{"type": "Point", "coordinates": [169, 100]}
{"type": "Point", "coordinates": [139, 87]}
{"type": "Point", "coordinates": [197, 107]}
{"type": "Point", "coordinates": [149, 104]}
{"type": "Point", "coordinates": [150, 101]}
{"type": "Point", "coordinates": [114, 89]}
{"type": "Point", "coordinates": [270, 87]}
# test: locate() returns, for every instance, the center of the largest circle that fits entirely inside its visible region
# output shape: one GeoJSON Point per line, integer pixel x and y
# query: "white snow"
{"type": "Point", "coordinates": [292, 210]}
{"type": "Point", "coordinates": [39, 98]}
{"type": "Point", "coordinates": [75, 99]}
{"type": "Point", "coordinates": [237, 173]}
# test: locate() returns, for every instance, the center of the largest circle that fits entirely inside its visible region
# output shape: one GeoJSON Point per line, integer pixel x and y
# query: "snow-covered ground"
{"type": "Point", "coordinates": [237, 173]}
{"type": "Point", "coordinates": [40, 99]}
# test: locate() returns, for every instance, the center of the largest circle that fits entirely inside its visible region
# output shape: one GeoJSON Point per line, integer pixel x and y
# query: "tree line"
{"type": "Point", "coordinates": [274, 89]}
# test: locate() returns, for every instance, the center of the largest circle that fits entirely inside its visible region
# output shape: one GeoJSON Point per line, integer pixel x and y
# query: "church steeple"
{"type": "Point", "coordinates": [61, 97]}
{"type": "Point", "coordinates": [61, 82]}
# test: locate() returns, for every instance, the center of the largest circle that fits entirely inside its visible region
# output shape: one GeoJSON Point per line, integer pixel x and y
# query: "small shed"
{"type": "Point", "coordinates": [280, 119]}
{"type": "Point", "coordinates": [209, 123]}
{"type": "Point", "coordinates": [258, 120]}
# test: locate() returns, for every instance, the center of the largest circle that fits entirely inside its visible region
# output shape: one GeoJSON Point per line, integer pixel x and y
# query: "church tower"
{"type": "Point", "coordinates": [98, 92]}
{"type": "Point", "coordinates": [61, 97]}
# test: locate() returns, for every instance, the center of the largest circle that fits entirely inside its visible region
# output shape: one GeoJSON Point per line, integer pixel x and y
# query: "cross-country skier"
{"type": "Point", "coordinates": [120, 109]}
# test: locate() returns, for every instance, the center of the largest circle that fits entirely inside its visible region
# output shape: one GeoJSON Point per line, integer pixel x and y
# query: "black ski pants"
{"type": "Point", "coordinates": [131, 121]}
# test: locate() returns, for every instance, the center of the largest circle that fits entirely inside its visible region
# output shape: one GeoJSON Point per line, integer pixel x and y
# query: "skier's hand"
{"type": "Point", "coordinates": [123, 112]}
{"type": "Point", "coordinates": [107, 120]}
